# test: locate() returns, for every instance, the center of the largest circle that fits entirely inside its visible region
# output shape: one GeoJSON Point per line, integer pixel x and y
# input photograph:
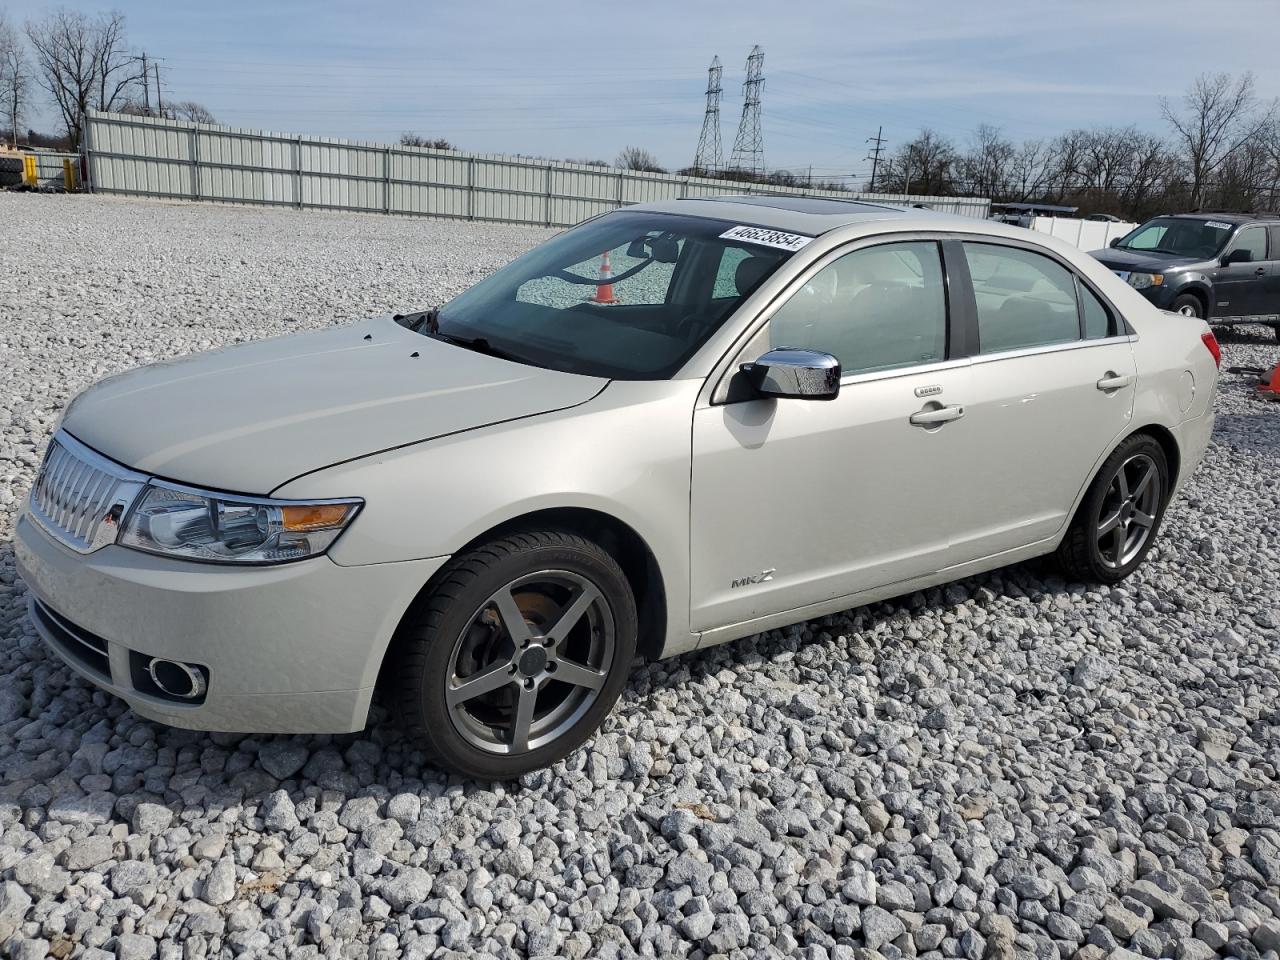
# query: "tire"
{"type": "Point", "coordinates": [1188, 304]}
{"type": "Point", "coordinates": [463, 632]}
{"type": "Point", "coordinates": [1102, 544]}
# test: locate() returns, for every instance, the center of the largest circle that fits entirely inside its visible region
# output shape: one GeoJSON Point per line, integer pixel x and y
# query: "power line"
{"type": "Point", "coordinates": [748, 145]}
{"type": "Point", "coordinates": [708, 156]}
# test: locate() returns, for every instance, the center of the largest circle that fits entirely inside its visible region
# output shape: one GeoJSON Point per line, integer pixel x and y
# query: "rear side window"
{"type": "Point", "coordinates": [1024, 299]}
{"type": "Point", "coordinates": [1274, 230]}
{"type": "Point", "coordinates": [1097, 319]}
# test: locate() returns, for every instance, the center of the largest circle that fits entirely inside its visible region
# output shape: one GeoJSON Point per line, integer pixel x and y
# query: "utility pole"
{"type": "Point", "coordinates": [159, 104]}
{"type": "Point", "coordinates": [146, 85]}
{"type": "Point", "coordinates": [874, 157]}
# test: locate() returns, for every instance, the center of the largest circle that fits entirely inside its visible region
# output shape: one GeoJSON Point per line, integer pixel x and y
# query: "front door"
{"type": "Point", "coordinates": [1240, 287]}
{"type": "Point", "coordinates": [797, 501]}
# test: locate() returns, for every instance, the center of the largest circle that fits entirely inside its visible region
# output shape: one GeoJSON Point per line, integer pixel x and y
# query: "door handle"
{"type": "Point", "coordinates": [1115, 381]}
{"type": "Point", "coordinates": [936, 416]}
{"type": "Point", "coordinates": [1260, 271]}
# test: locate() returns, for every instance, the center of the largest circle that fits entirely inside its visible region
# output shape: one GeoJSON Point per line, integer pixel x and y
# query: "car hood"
{"type": "Point", "coordinates": [248, 418]}
{"type": "Point", "coordinates": [1116, 259]}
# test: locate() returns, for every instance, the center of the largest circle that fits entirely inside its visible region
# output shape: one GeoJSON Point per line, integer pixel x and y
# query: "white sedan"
{"type": "Point", "coordinates": [671, 426]}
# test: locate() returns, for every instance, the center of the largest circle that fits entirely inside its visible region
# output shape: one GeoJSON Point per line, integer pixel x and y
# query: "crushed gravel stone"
{"type": "Point", "coordinates": [1008, 766]}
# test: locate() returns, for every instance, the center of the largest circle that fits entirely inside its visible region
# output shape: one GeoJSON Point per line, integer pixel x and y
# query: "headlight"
{"type": "Point", "coordinates": [1140, 281]}
{"type": "Point", "coordinates": [217, 528]}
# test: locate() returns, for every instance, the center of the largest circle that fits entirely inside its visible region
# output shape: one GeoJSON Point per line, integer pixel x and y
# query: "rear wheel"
{"type": "Point", "coordinates": [1188, 304]}
{"type": "Point", "coordinates": [1117, 522]}
{"type": "Point", "coordinates": [518, 654]}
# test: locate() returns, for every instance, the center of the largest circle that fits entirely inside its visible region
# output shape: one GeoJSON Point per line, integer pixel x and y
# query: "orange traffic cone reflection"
{"type": "Point", "coordinates": [604, 291]}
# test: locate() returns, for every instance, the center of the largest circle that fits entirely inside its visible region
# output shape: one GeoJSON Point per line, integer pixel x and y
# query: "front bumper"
{"type": "Point", "coordinates": [294, 648]}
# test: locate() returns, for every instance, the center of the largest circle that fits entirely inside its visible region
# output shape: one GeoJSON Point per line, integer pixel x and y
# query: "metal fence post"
{"type": "Point", "coordinates": [297, 172]}
{"type": "Point", "coordinates": [471, 188]}
{"type": "Point", "coordinates": [87, 153]}
{"type": "Point", "coordinates": [386, 180]}
{"type": "Point", "coordinates": [547, 196]}
{"type": "Point", "coordinates": [621, 180]}
{"type": "Point", "coordinates": [194, 144]}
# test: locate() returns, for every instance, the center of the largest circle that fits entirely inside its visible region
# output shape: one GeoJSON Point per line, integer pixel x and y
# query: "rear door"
{"type": "Point", "coordinates": [1240, 288]}
{"type": "Point", "coordinates": [1053, 387]}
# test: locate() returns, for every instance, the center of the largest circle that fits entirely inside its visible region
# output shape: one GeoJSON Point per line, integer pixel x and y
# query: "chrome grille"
{"type": "Point", "coordinates": [80, 496]}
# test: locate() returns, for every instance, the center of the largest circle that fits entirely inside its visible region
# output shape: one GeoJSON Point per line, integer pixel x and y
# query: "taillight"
{"type": "Point", "coordinates": [1211, 344]}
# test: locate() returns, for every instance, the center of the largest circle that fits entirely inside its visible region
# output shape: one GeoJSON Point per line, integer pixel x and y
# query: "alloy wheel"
{"type": "Point", "coordinates": [1187, 310]}
{"type": "Point", "coordinates": [530, 662]}
{"type": "Point", "coordinates": [1129, 510]}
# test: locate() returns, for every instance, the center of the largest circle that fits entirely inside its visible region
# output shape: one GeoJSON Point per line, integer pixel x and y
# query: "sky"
{"type": "Point", "coordinates": [583, 80]}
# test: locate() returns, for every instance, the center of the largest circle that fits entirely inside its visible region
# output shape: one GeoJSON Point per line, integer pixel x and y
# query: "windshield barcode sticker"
{"type": "Point", "coordinates": [767, 238]}
{"type": "Point", "coordinates": [1217, 225]}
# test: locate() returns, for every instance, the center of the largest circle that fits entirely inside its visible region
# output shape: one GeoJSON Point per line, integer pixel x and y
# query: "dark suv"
{"type": "Point", "coordinates": [1224, 267]}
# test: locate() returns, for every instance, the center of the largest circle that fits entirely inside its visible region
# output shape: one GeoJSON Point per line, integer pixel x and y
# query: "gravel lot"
{"type": "Point", "coordinates": [1012, 765]}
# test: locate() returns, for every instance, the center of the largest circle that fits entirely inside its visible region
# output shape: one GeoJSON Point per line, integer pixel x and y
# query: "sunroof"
{"type": "Point", "coordinates": [819, 205]}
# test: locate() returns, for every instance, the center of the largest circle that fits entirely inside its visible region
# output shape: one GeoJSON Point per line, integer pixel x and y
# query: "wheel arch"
{"type": "Point", "coordinates": [1201, 292]}
{"type": "Point", "coordinates": [1158, 432]}
{"type": "Point", "coordinates": [1168, 443]}
{"type": "Point", "coordinates": [619, 539]}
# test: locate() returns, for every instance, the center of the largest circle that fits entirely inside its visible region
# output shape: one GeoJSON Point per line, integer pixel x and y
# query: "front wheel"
{"type": "Point", "coordinates": [1117, 522]}
{"type": "Point", "coordinates": [518, 654]}
{"type": "Point", "coordinates": [1189, 305]}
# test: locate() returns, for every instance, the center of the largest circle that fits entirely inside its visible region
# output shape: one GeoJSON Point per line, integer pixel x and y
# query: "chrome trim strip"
{"type": "Point", "coordinates": [1052, 348]}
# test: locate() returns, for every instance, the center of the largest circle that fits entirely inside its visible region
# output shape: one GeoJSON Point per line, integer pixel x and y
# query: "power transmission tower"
{"type": "Point", "coordinates": [748, 145]}
{"type": "Point", "coordinates": [708, 158]}
{"type": "Point", "coordinates": [874, 157]}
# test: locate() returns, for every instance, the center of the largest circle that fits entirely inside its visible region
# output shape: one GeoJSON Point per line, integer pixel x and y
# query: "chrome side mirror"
{"type": "Point", "coordinates": [790, 373]}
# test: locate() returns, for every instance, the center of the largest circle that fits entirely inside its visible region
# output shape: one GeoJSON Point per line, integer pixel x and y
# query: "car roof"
{"type": "Point", "coordinates": [1225, 217]}
{"type": "Point", "coordinates": [811, 216]}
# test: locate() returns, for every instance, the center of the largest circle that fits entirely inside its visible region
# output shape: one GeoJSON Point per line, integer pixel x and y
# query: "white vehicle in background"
{"type": "Point", "coordinates": [777, 408]}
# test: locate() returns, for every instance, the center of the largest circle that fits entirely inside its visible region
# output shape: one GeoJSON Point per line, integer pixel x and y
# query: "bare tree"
{"type": "Point", "coordinates": [173, 110]}
{"type": "Point", "coordinates": [925, 165]}
{"type": "Point", "coordinates": [1028, 171]}
{"type": "Point", "coordinates": [985, 168]}
{"type": "Point", "coordinates": [638, 158]}
{"type": "Point", "coordinates": [14, 77]}
{"type": "Point", "coordinates": [1220, 113]}
{"type": "Point", "coordinates": [83, 63]}
{"type": "Point", "coordinates": [411, 139]}
{"type": "Point", "coordinates": [189, 110]}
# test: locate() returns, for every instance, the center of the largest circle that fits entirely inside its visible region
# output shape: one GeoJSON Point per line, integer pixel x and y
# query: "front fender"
{"type": "Point", "coordinates": [625, 453]}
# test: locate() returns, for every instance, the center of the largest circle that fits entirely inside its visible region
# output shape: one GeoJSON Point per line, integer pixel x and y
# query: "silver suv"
{"type": "Point", "coordinates": [669, 427]}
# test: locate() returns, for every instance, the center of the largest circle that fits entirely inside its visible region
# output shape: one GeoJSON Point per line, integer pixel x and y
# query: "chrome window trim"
{"type": "Point", "coordinates": [894, 373]}
{"type": "Point", "coordinates": [1051, 348]}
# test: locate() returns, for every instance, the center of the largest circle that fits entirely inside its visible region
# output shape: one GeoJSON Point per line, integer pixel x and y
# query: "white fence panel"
{"type": "Point", "coordinates": [1085, 234]}
{"type": "Point", "coordinates": [170, 158]}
